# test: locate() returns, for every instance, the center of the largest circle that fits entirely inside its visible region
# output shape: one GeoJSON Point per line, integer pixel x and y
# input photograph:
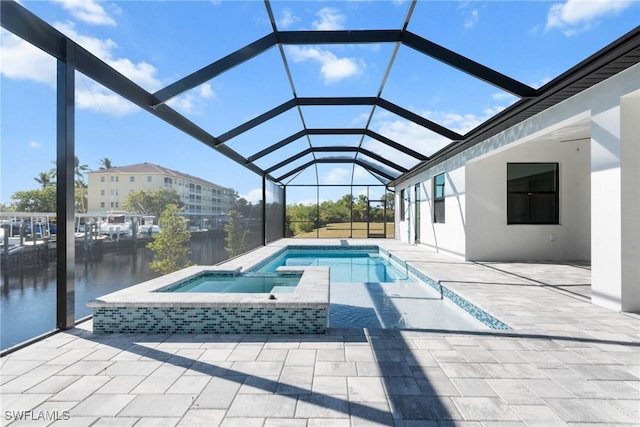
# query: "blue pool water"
{"type": "Point", "coordinates": [236, 284]}
{"type": "Point", "coordinates": [368, 291]}
{"type": "Point", "coordinates": [345, 266]}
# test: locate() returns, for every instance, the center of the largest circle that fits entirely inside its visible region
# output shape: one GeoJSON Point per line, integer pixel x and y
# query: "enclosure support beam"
{"type": "Point", "coordinates": [264, 210]}
{"type": "Point", "coordinates": [65, 246]}
{"type": "Point", "coordinates": [284, 213]}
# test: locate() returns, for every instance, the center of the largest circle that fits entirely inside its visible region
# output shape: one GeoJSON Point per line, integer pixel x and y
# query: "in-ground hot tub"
{"type": "Point", "coordinates": [149, 308]}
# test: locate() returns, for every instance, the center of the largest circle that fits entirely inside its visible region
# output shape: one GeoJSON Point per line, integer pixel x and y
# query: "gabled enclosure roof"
{"type": "Point", "coordinates": [282, 166]}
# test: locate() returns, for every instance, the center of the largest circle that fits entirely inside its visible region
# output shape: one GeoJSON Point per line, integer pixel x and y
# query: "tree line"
{"type": "Point", "coordinates": [43, 199]}
{"type": "Point", "coordinates": [303, 218]}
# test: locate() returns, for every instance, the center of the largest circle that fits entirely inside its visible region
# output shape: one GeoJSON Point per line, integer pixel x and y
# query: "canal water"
{"type": "Point", "coordinates": [28, 295]}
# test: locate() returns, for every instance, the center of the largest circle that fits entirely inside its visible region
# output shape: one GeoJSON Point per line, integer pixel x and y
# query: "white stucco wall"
{"type": "Point", "coordinates": [489, 238]}
{"type": "Point", "coordinates": [630, 201]}
{"type": "Point", "coordinates": [606, 226]}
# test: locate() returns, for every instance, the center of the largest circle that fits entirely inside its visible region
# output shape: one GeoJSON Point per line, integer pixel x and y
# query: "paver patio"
{"type": "Point", "coordinates": [563, 362]}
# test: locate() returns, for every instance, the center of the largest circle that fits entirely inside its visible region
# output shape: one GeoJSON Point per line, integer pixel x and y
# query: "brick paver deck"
{"type": "Point", "coordinates": [564, 362]}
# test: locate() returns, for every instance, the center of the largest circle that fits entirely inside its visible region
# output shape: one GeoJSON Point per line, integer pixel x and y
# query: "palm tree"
{"type": "Point", "coordinates": [79, 171]}
{"type": "Point", "coordinates": [105, 163]}
{"type": "Point", "coordinates": [45, 179]}
{"type": "Point", "coordinates": [80, 194]}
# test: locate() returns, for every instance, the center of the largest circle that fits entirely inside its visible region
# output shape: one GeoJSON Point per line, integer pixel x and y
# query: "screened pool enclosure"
{"type": "Point", "coordinates": [273, 101]}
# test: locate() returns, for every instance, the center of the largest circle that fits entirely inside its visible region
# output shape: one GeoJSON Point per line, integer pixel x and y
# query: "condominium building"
{"type": "Point", "coordinates": [108, 189]}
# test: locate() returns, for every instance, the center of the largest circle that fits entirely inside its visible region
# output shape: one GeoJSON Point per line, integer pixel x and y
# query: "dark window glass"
{"type": "Point", "coordinates": [402, 212]}
{"type": "Point", "coordinates": [532, 193]}
{"type": "Point", "coordinates": [438, 199]}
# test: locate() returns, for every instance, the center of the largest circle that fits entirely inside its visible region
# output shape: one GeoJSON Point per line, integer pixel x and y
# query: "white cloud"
{"type": "Point", "coordinates": [332, 68]}
{"type": "Point", "coordinates": [576, 16]}
{"type": "Point", "coordinates": [504, 96]}
{"type": "Point", "coordinates": [187, 103]}
{"type": "Point", "coordinates": [287, 19]}
{"type": "Point", "coordinates": [472, 20]}
{"type": "Point", "coordinates": [254, 196]}
{"type": "Point", "coordinates": [330, 19]}
{"type": "Point", "coordinates": [461, 123]}
{"type": "Point", "coordinates": [87, 11]}
{"type": "Point", "coordinates": [336, 176]}
{"type": "Point", "coordinates": [411, 135]}
{"type": "Point", "coordinates": [142, 73]}
{"type": "Point", "coordinates": [35, 145]}
{"type": "Point", "coordinates": [97, 98]}
{"type": "Point", "coordinates": [206, 92]}
{"type": "Point", "coordinates": [22, 61]}
{"type": "Point", "coordinates": [193, 101]}
{"type": "Point", "coordinates": [102, 48]}
{"type": "Point", "coordinates": [361, 119]}
{"type": "Point", "coordinates": [362, 176]}
{"type": "Point", "coordinates": [335, 69]}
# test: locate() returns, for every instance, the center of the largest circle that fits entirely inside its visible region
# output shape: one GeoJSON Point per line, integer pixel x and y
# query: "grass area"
{"type": "Point", "coordinates": [343, 230]}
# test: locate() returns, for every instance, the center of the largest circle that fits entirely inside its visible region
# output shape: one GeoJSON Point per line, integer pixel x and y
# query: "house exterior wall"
{"type": "Point", "coordinates": [599, 208]}
{"type": "Point", "coordinates": [488, 235]}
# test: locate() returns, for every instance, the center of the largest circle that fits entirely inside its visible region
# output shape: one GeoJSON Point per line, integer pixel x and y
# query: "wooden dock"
{"type": "Point", "coordinates": [32, 254]}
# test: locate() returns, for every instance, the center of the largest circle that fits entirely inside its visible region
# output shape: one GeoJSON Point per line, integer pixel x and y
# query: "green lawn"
{"type": "Point", "coordinates": [343, 230]}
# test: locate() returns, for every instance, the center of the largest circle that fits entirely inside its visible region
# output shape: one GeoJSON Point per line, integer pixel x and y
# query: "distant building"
{"type": "Point", "coordinates": [108, 189]}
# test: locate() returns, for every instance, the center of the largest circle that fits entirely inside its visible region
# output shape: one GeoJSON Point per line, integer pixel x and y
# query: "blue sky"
{"type": "Point", "coordinates": [156, 43]}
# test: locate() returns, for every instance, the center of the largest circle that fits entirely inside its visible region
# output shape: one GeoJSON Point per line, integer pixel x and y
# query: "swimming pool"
{"type": "Point", "coordinates": [387, 293]}
{"type": "Point", "coordinates": [369, 288]}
